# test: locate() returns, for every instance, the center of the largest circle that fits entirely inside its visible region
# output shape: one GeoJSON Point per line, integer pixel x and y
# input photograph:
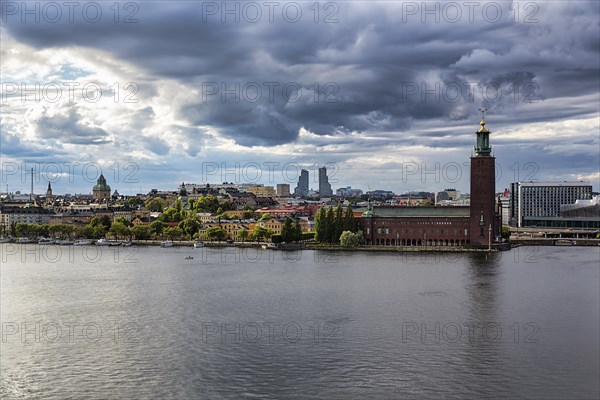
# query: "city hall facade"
{"type": "Point", "coordinates": [477, 225]}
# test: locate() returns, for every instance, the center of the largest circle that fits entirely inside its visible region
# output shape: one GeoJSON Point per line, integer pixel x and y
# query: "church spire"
{"type": "Point", "coordinates": [482, 147]}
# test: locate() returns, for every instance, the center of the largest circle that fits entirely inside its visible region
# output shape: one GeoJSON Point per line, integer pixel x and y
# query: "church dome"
{"type": "Point", "coordinates": [101, 184]}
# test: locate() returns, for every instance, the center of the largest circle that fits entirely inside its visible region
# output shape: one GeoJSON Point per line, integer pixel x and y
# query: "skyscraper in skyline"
{"type": "Point", "coordinates": [302, 189]}
{"type": "Point", "coordinates": [324, 185]}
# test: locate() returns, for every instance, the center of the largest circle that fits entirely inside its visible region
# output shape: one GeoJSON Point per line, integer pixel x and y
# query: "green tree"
{"type": "Point", "coordinates": [287, 233]}
{"type": "Point", "coordinates": [156, 228]}
{"type": "Point", "coordinates": [261, 232]}
{"type": "Point", "coordinates": [320, 225]}
{"type": "Point", "coordinates": [189, 226]}
{"type": "Point", "coordinates": [135, 201]}
{"type": "Point", "coordinates": [173, 232]}
{"type": "Point", "coordinates": [102, 220]}
{"type": "Point", "coordinates": [350, 239]}
{"type": "Point", "coordinates": [99, 231]}
{"type": "Point", "coordinates": [297, 232]}
{"type": "Point", "coordinates": [216, 233]}
{"type": "Point", "coordinates": [243, 234]}
{"type": "Point", "coordinates": [330, 238]}
{"type": "Point", "coordinates": [124, 221]}
{"type": "Point", "coordinates": [265, 216]}
{"type": "Point", "coordinates": [141, 232]}
{"type": "Point", "coordinates": [155, 205]}
{"type": "Point", "coordinates": [118, 229]}
{"type": "Point", "coordinates": [350, 223]}
{"type": "Point", "coordinates": [338, 223]}
{"type": "Point", "coordinates": [88, 231]}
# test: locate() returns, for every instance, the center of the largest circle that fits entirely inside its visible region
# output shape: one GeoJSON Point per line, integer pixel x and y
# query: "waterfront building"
{"type": "Point", "coordinates": [10, 215]}
{"type": "Point", "coordinates": [477, 225]}
{"type": "Point", "coordinates": [531, 201]}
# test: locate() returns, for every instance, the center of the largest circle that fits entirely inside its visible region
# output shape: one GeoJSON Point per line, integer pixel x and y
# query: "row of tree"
{"type": "Point", "coordinates": [330, 223]}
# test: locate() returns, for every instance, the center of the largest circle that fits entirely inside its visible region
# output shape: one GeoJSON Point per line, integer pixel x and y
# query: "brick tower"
{"type": "Point", "coordinates": [485, 221]}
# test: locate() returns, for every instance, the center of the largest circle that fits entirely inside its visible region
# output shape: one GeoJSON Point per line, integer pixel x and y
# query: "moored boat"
{"type": "Point", "coordinates": [166, 243]}
{"type": "Point", "coordinates": [101, 242]}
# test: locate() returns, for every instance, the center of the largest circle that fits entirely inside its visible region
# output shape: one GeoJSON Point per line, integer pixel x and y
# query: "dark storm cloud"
{"type": "Point", "coordinates": [66, 127]}
{"type": "Point", "coordinates": [378, 68]}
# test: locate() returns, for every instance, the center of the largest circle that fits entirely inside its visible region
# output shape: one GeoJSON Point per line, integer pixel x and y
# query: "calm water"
{"type": "Point", "coordinates": [147, 323]}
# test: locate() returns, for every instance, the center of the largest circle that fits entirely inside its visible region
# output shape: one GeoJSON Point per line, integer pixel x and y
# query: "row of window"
{"type": "Point", "coordinates": [386, 231]}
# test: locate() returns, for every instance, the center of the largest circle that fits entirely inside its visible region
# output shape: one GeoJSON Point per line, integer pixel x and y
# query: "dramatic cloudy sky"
{"type": "Point", "coordinates": [386, 94]}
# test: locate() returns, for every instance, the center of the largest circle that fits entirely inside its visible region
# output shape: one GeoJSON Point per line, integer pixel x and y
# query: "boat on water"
{"type": "Point", "coordinates": [44, 241]}
{"type": "Point", "coordinates": [66, 242]}
{"type": "Point", "coordinates": [104, 242]}
{"type": "Point", "coordinates": [189, 258]}
{"type": "Point", "coordinates": [24, 240]}
{"type": "Point", "coordinates": [4, 240]}
{"type": "Point", "coordinates": [269, 246]}
{"type": "Point", "coordinates": [166, 243]}
{"type": "Point", "coordinates": [198, 245]}
{"type": "Point", "coordinates": [127, 243]}
{"type": "Point", "coordinates": [83, 242]}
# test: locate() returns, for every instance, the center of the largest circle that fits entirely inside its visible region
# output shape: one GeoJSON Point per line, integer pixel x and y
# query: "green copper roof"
{"type": "Point", "coordinates": [101, 184]}
{"type": "Point", "coordinates": [454, 211]}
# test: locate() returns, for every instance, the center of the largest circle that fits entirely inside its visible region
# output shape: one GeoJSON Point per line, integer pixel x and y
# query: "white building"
{"type": "Point", "coordinates": [543, 199]}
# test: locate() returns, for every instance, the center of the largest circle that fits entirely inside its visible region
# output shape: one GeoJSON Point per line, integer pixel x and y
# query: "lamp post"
{"type": "Point", "coordinates": [490, 238]}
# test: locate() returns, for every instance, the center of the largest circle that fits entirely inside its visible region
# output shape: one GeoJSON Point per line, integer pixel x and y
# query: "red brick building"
{"type": "Point", "coordinates": [478, 225]}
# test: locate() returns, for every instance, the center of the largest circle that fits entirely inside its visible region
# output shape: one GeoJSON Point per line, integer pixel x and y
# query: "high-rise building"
{"type": "Point", "coordinates": [324, 185]}
{"type": "Point", "coordinates": [532, 200]}
{"type": "Point", "coordinates": [302, 189]}
{"type": "Point", "coordinates": [283, 190]}
{"type": "Point", "coordinates": [485, 223]}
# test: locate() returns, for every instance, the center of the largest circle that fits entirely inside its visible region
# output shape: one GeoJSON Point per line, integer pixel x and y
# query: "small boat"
{"type": "Point", "coordinates": [102, 242]}
{"type": "Point", "coordinates": [198, 245]}
{"type": "Point", "coordinates": [189, 258]}
{"type": "Point", "coordinates": [83, 242]}
{"type": "Point", "coordinates": [166, 243]}
{"type": "Point", "coordinates": [4, 240]}
{"type": "Point", "coordinates": [66, 243]}
{"type": "Point", "coordinates": [44, 241]}
{"type": "Point", "coordinates": [127, 243]}
{"type": "Point", "coordinates": [25, 240]}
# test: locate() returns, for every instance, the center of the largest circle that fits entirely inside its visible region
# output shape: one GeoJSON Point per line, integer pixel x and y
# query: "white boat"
{"type": "Point", "coordinates": [166, 243]}
{"type": "Point", "coordinates": [102, 242]}
{"type": "Point", "coordinates": [25, 240]}
{"type": "Point", "coordinates": [4, 240]}
{"type": "Point", "coordinates": [127, 243]}
{"type": "Point", "coordinates": [198, 245]}
{"type": "Point", "coordinates": [83, 242]}
{"type": "Point", "coordinates": [66, 243]}
{"type": "Point", "coordinates": [44, 241]}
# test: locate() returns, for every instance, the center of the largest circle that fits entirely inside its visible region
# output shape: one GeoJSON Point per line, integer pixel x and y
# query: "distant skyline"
{"type": "Point", "coordinates": [385, 94]}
